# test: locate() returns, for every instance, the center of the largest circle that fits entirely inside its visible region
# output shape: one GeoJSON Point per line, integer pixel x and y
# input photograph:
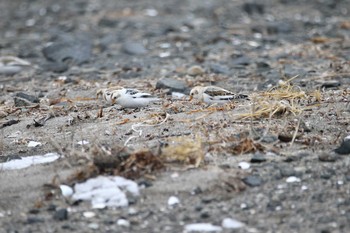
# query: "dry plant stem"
{"type": "Point", "coordinates": [139, 131]}
{"type": "Point", "coordinates": [295, 133]}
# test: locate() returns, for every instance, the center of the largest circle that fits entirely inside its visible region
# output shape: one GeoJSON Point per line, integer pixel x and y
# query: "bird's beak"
{"type": "Point", "coordinates": [191, 97]}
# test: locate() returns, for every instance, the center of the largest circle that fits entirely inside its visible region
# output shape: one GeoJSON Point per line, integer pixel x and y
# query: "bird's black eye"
{"type": "Point", "coordinates": [192, 93]}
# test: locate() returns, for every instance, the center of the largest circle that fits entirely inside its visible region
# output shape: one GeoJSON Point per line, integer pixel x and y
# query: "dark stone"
{"type": "Point", "coordinates": [205, 214]}
{"type": "Point", "coordinates": [252, 181]}
{"type": "Point", "coordinates": [108, 23]}
{"type": "Point", "coordinates": [262, 65]}
{"type": "Point", "coordinates": [197, 190]}
{"type": "Point", "coordinates": [207, 199]}
{"type": "Point", "coordinates": [30, 98]}
{"type": "Point", "coordinates": [279, 28]}
{"type": "Point", "coordinates": [51, 207]}
{"type": "Point", "coordinates": [327, 173]}
{"type": "Point", "coordinates": [76, 50]}
{"type": "Point", "coordinates": [219, 69]}
{"type": "Point", "coordinates": [344, 148]}
{"type": "Point", "coordinates": [32, 220]}
{"type": "Point", "coordinates": [331, 84]}
{"type": "Point", "coordinates": [287, 171]}
{"type": "Point", "coordinates": [61, 214]}
{"type": "Point", "coordinates": [57, 67]}
{"type": "Point", "coordinates": [133, 48]}
{"type": "Point", "coordinates": [327, 157]}
{"type": "Point", "coordinates": [145, 183]}
{"type": "Point", "coordinates": [173, 84]}
{"type": "Point", "coordinates": [34, 211]}
{"type": "Point", "coordinates": [253, 7]}
{"type": "Point", "coordinates": [269, 139]}
{"type": "Point", "coordinates": [258, 158]}
{"type": "Point", "coordinates": [241, 61]}
{"type": "Point", "coordinates": [272, 205]}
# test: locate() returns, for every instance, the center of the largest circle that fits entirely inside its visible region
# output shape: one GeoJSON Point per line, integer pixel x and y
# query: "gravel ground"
{"type": "Point", "coordinates": [298, 175]}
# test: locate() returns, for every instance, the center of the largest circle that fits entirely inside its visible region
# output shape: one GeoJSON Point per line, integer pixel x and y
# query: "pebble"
{"type": "Point", "coordinates": [327, 157]}
{"type": "Point", "coordinates": [344, 148]}
{"type": "Point", "coordinates": [133, 48]}
{"type": "Point", "coordinates": [123, 222]}
{"type": "Point", "coordinates": [57, 67]}
{"type": "Point", "coordinates": [195, 70]}
{"type": "Point", "coordinates": [93, 226]}
{"type": "Point", "coordinates": [173, 84]}
{"type": "Point", "coordinates": [76, 49]}
{"type": "Point", "coordinates": [34, 144]}
{"type": "Point", "coordinates": [89, 214]}
{"type": "Point", "coordinates": [31, 220]}
{"type": "Point", "coordinates": [253, 8]}
{"type": "Point", "coordinates": [219, 69]}
{"type": "Point", "coordinates": [61, 214]}
{"type": "Point", "coordinates": [244, 165]}
{"type": "Point", "coordinates": [173, 201]}
{"type": "Point", "coordinates": [231, 223]}
{"type": "Point", "coordinates": [241, 61]}
{"type": "Point", "coordinates": [252, 181]}
{"type": "Point", "coordinates": [66, 190]}
{"type": "Point", "coordinates": [258, 158]}
{"type": "Point", "coordinates": [202, 227]}
{"type": "Point", "coordinates": [279, 27]}
{"type": "Point", "coordinates": [293, 179]}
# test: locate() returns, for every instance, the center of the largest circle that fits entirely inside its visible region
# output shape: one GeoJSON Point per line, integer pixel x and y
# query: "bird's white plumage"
{"type": "Point", "coordinates": [127, 97]}
{"type": "Point", "coordinates": [214, 95]}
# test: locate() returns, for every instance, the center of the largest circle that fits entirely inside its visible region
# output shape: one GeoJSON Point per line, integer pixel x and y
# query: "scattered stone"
{"type": "Point", "coordinates": [244, 165]}
{"type": "Point", "coordinates": [173, 201]}
{"type": "Point", "coordinates": [75, 49]}
{"type": "Point", "coordinates": [123, 223]}
{"type": "Point", "coordinates": [10, 65]}
{"type": "Point", "coordinates": [204, 214]}
{"type": "Point", "coordinates": [253, 8]}
{"type": "Point", "coordinates": [287, 171]}
{"type": "Point", "coordinates": [32, 220]}
{"type": "Point", "coordinates": [327, 157]}
{"type": "Point", "coordinates": [195, 70]}
{"type": "Point", "coordinates": [173, 85]}
{"type": "Point", "coordinates": [202, 227]}
{"type": "Point", "coordinates": [252, 181]}
{"type": "Point", "coordinates": [89, 214]}
{"type": "Point", "coordinates": [344, 148]}
{"type": "Point", "coordinates": [241, 61]}
{"type": "Point", "coordinates": [57, 67]}
{"type": "Point", "coordinates": [93, 226]}
{"type": "Point", "coordinates": [108, 23]}
{"type": "Point", "coordinates": [279, 27]}
{"type": "Point", "coordinates": [230, 223]}
{"type": "Point", "coordinates": [66, 190]}
{"type": "Point", "coordinates": [22, 99]}
{"type": "Point", "coordinates": [269, 139]}
{"type": "Point", "coordinates": [133, 48]}
{"type": "Point", "coordinates": [34, 144]}
{"type": "Point", "coordinates": [61, 214]}
{"type": "Point", "coordinates": [219, 69]}
{"type": "Point", "coordinates": [293, 179]}
{"type": "Point", "coordinates": [258, 158]}
{"type": "Point", "coordinates": [330, 84]}
{"type": "Point", "coordinates": [262, 65]}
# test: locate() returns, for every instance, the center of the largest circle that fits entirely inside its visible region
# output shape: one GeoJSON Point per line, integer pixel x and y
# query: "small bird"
{"type": "Point", "coordinates": [214, 95]}
{"type": "Point", "coordinates": [127, 97]}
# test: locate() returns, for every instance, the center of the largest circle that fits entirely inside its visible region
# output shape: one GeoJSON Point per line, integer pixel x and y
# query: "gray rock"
{"type": "Point", "coordinates": [287, 171]}
{"type": "Point", "coordinates": [327, 157]}
{"type": "Point", "coordinates": [344, 148]}
{"type": "Point", "coordinates": [21, 100]}
{"type": "Point", "coordinates": [252, 181]}
{"type": "Point", "coordinates": [75, 49]}
{"type": "Point", "coordinates": [279, 27]}
{"type": "Point", "coordinates": [61, 214]}
{"type": "Point", "coordinates": [219, 69]}
{"type": "Point", "coordinates": [258, 158]}
{"type": "Point", "coordinates": [241, 61]}
{"type": "Point", "coordinates": [133, 48]}
{"type": "Point", "coordinates": [57, 67]}
{"type": "Point", "coordinates": [253, 8]}
{"type": "Point", "coordinates": [173, 84]}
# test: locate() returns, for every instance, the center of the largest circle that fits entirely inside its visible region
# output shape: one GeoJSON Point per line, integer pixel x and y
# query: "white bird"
{"type": "Point", "coordinates": [128, 98]}
{"type": "Point", "coordinates": [214, 95]}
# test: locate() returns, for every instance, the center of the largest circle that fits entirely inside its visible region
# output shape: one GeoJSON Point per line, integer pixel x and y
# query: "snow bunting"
{"type": "Point", "coordinates": [214, 95]}
{"type": "Point", "coordinates": [128, 98]}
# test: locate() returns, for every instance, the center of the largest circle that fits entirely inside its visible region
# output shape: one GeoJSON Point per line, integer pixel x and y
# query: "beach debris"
{"type": "Point", "coordinates": [29, 161]}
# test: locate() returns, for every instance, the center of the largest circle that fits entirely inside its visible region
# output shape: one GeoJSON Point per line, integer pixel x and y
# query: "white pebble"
{"type": "Point", "coordinates": [172, 201]}
{"type": "Point", "coordinates": [66, 190]}
{"type": "Point", "coordinates": [231, 223]}
{"type": "Point", "coordinates": [244, 165]}
{"type": "Point", "coordinates": [83, 142]}
{"type": "Point", "coordinates": [89, 214]}
{"type": "Point", "coordinates": [292, 179]}
{"type": "Point", "coordinates": [123, 222]}
{"type": "Point", "coordinates": [202, 227]}
{"type": "Point", "coordinates": [93, 226]}
{"type": "Point", "coordinates": [34, 144]}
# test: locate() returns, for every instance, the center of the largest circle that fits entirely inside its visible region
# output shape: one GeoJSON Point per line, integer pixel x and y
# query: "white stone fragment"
{"type": "Point", "coordinates": [93, 226]}
{"type": "Point", "coordinates": [66, 190]}
{"type": "Point", "coordinates": [177, 95]}
{"type": "Point", "coordinates": [29, 161]}
{"type": "Point", "coordinates": [202, 227]}
{"type": "Point", "coordinates": [292, 179]}
{"type": "Point", "coordinates": [106, 191]}
{"type": "Point", "coordinates": [172, 201]}
{"type": "Point", "coordinates": [231, 223]}
{"type": "Point", "coordinates": [244, 165]}
{"type": "Point", "coordinates": [83, 142]}
{"type": "Point", "coordinates": [34, 144]}
{"type": "Point", "coordinates": [89, 214]}
{"type": "Point", "coordinates": [123, 222]}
